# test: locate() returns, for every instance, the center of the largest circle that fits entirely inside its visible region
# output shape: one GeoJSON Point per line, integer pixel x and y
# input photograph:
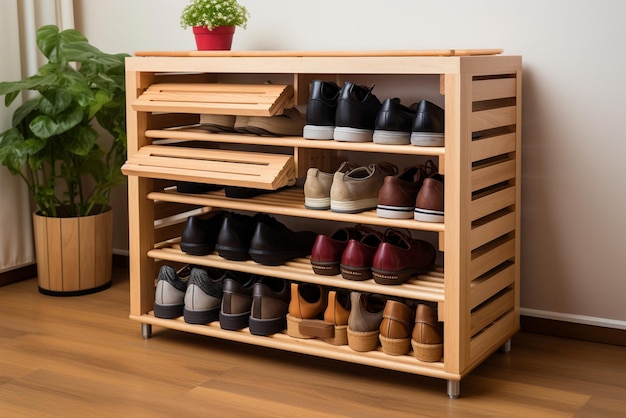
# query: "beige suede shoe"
{"type": "Point", "coordinates": [317, 186]}
{"type": "Point", "coordinates": [357, 190]}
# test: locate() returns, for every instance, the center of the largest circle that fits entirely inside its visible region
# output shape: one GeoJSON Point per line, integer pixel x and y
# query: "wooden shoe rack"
{"type": "Point", "coordinates": [476, 287]}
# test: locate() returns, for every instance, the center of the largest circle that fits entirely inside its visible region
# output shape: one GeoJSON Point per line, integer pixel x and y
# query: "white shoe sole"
{"type": "Point", "coordinates": [426, 215]}
{"type": "Point", "coordinates": [391, 137]}
{"type": "Point", "coordinates": [318, 132]}
{"type": "Point", "coordinates": [346, 134]}
{"type": "Point", "coordinates": [353, 206]}
{"type": "Point", "coordinates": [424, 139]}
{"type": "Point", "coordinates": [394, 212]}
{"type": "Point", "coordinates": [317, 203]}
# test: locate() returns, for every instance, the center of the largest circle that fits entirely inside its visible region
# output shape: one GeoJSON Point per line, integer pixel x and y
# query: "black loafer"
{"type": "Point", "coordinates": [233, 240]}
{"type": "Point", "coordinates": [274, 244]}
{"type": "Point", "coordinates": [357, 109]}
{"type": "Point", "coordinates": [200, 235]}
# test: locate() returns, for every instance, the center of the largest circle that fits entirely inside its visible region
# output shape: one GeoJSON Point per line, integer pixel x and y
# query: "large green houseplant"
{"type": "Point", "coordinates": [54, 143]}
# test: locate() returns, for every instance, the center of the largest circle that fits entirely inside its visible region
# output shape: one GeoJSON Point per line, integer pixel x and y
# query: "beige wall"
{"type": "Point", "coordinates": [574, 111]}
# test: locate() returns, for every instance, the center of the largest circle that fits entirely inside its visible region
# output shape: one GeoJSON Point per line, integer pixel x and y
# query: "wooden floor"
{"type": "Point", "coordinates": [83, 357]}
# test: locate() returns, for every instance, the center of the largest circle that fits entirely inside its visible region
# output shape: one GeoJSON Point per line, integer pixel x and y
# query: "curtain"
{"type": "Point", "coordinates": [19, 22]}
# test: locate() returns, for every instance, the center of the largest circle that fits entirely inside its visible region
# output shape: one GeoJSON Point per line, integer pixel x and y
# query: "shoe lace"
{"type": "Point", "coordinates": [398, 237]}
{"type": "Point", "coordinates": [388, 168]}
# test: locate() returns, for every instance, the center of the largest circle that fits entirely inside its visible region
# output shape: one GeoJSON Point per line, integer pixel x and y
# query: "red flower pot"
{"type": "Point", "coordinates": [219, 38]}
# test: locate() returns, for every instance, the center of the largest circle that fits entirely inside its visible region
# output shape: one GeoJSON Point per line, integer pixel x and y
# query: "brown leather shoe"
{"type": "Point", "coordinates": [356, 261]}
{"type": "Point", "coordinates": [429, 200]}
{"type": "Point", "coordinates": [308, 301]}
{"type": "Point", "coordinates": [396, 199]}
{"type": "Point", "coordinates": [327, 250]}
{"type": "Point", "coordinates": [396, 327]}
{"type": "Point", "coordinates": [337, 313]}
{"type": "Point", "coordinates": [401, 257]}
{"type": "Point", "coordinates": [427, 337]}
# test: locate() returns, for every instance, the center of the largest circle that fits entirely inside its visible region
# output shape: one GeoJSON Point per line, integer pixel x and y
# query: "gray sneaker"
{"type": "Point", "coordinates": [203, 297]}
{"type": "Point", "coordinates": [170, 292]}
{"type": "Point", "coordinates": [357, 190]}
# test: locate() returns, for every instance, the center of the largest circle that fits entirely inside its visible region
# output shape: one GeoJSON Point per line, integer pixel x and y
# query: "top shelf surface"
{"type": "Point", "coordinates": [381, 53]}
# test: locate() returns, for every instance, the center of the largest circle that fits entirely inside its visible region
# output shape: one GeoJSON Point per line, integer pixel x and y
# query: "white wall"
{"type": "Point", "coordinates": [574, 149]}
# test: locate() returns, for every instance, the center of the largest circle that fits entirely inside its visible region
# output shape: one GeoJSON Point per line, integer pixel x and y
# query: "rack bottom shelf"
{"type": "Point", "coordinates": [407, 363]}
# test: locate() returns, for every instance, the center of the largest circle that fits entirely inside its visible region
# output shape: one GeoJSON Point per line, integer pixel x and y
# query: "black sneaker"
{"type": "Point", "coordinates": [427, 130]}
{"type": "Point", "coordinates": [393, 123]}
{"type": "Point", "coordinates": [200, 235]}
{"type": "Point", "coordinates": [356, 114]}
{"type": "Point", "coordinates": [321, 110]}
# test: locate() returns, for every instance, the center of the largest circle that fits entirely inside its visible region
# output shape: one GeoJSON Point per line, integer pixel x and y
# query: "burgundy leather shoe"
{"type": "Point", "coordinates": [400, 257]}
{"type": "Point", "coordinates": [356, 261]}
{"type": "Point", "coordinates": [327, 250]}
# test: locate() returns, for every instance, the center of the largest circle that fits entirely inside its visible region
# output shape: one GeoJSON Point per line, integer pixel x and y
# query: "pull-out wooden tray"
{"type": "Point", "coordinates": [216, 98]}
{"type": "Point", "coordinates": [224, 167]}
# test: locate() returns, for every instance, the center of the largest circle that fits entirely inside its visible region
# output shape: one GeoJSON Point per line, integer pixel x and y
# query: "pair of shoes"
{"type": "Point", "coordinates": [429, 203]}
{"type": "Point", "coordinates": [390, 258]}
{"type": "Point", "coordinates": [200, 234]}
{"type": "Point", "coordinates": [366, 315]}
{"type": "Point", "coordinates": [328, 249]}
{"type": "Point", "coordinates": [192, 292]}
{"type": "Point", "coordinates": [420, 124]}
{"type": "Point", "coordinates": [289, 123]}
{"type": "Point", "coordinates": [346, 114]}
{"type": "Point", "coordinates": [318, 184]}
{"type": "Point", "coordinates": [400, 257]}
{"type": "Point", "coordinates": [403, 327]}
{"type": "Point", "coordinates": [351, 189]}
{"type": "Point", "coordinates": [240, 237]}
{"type": "Point", "coordinates": [257, 302]}
{"type": "Point", "coordinates": [398, 194]}
{"type": "Point", "coordinates": [315, 312]}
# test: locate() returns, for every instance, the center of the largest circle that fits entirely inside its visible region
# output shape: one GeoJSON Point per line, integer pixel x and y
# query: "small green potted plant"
{"type": "Point", "coordinates": [55, 148]}
{"type": "Point", "coordinates": [214, 22]}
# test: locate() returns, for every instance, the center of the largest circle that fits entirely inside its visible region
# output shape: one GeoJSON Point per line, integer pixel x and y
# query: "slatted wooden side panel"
{"type": "Point", "coordinates": [493, 211]}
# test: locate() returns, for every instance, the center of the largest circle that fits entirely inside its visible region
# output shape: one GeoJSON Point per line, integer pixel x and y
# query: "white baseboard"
{"type": "Point", "coordinates": [577, 319]}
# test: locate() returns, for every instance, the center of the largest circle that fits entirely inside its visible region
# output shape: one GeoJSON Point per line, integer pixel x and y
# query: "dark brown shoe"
{"type": "Point", "coordinates": [270, 303]}
{"type": "Point", "coordinates": [427, 337]}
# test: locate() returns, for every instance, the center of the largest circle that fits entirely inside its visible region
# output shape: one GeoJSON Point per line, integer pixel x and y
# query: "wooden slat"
{"type": "Point", "coordinates": [491, 311]}
{"type": "Point", "coordinates": [485, 176]}
{"type": "Point", "coordinates": [216, 98]}
{"type": "Point", "coordinates": [490, 147]}
{"type": "Point", "coordinates": [493, 89]}
{"type": "Point", "coordinates": [488, 285]}
{"type": "Point", "coordinates": [351, 53]}
{"type": "Point", "coordinates": [492, 202]}
{"type": "Point", "coordinates": [496, 253]}
{"type": "Point", "coordinates": [493, 337]}
{"type": "Point", "coordinates": [493, 228]}
{"type": "Point", "coordinates": [493, 118]}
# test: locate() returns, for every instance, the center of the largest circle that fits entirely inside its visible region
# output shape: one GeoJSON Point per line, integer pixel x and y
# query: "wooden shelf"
{"type": "Point", "coordinates": [281, 341]}
{"type": "Point", "coordinates": [288, 202]}
{"type": "Point", "coordinates": [427, 287]}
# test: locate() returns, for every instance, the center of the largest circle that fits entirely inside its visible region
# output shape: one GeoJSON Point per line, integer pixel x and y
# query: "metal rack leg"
{"type": "Point", "coordinates": [506, 348]}
{"type": "Point", "coordinates": [146, 331]}
{"type": "Point", "coordinates": [454, 388]}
